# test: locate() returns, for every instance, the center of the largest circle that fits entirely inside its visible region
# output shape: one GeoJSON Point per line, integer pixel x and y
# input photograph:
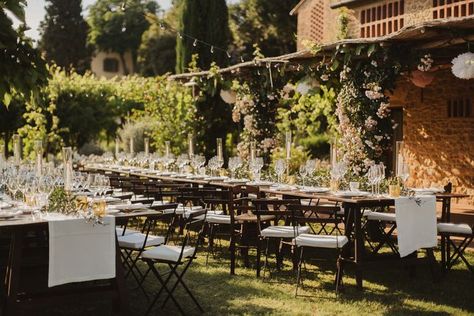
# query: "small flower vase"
{"type": "Point", "coordinates": [394, 190]}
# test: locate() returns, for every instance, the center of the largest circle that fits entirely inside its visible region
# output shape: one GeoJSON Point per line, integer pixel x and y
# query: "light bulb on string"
{"type": "Point", "coordinates": [162, 26]}
{"type": "Point", "coordinates": [241, 59]}
{"type": "Point", "coordinates": [195, 42]}
{"type": "Point", "coordinates": [258, 72]}
{"type": "Point", "coordinates": [122, 6]}
{"type": "Point", "coordinates": [228, 55]}
{"type": "Point", "coordinates": [212, 49]}
{"type": "Point", "coordinates": [269, 65]}
{"type": "Point", "coordinates": [180, 36]}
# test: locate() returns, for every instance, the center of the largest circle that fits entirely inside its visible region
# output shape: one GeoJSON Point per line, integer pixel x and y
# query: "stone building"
{"type": "Point", "coordinates": [438, 120]}
{"type": "Point", "coordinates": [109, 64]}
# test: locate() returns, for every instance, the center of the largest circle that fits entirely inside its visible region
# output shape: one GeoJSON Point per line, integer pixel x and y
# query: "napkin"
{"type": "Point", "coordinates": [81, 251]}
{"type": "Point", "coordinates": [416, 223]}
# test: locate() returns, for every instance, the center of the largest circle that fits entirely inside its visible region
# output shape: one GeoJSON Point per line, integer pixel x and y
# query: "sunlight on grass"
{"type": "Point", "coordinates": [387, 291]}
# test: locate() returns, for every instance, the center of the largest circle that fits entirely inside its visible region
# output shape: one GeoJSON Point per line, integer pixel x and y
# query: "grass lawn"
{"type": "Point", "coordinates": [387, 291]}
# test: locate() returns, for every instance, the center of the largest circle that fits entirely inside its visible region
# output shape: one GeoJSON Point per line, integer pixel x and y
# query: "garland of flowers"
{"type": "Point", "coordinates": [362, 106]}
{"type": "Point", "coordinates": [256, 109]}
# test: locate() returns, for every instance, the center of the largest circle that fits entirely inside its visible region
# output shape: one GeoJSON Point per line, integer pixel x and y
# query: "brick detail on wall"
{"type": "Point", "coordinates": [382, 19]}
{"type": "Point", "coordinates": [439, 148]}
{"type": "Point", "coordinates": [452, 8]}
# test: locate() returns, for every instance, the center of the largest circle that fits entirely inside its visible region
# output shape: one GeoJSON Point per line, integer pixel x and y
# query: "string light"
{"type": "Point", "coordinates": [212, 49]}
{"type": "Point", "coordinates": [228, 55]}
{"type": "Point", "coordinates": [241, 59]}
{"type": "Point", "coordinates": [180, 36]}
{"type": "Point", "coordinates": [195, 42]}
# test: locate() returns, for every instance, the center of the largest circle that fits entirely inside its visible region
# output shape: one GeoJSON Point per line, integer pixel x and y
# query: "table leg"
{"type": "Point", "coordinates": [359, 245]}
{"type": "Point", "coordinates": [232, 250]}
{"type": "Point", "coordinates": [13, 272]}
{"type": "Point", "coordinates": [123, 304]}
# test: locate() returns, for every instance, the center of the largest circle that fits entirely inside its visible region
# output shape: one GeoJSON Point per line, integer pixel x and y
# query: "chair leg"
{"type": "Point", "coordinates": [339, 274]}
{"type": "Point", "coordinates": [179, 280]}
{"type": "Point", "coordinates": [163, 287]}
{"type": "Point", "coordinates": [259, 255]}
{"type": "Point", "coordinates": [265, 263]}
{"type": "Point", "coordinates": [211, 242]}
{"type": "Point", "coordinates": [298, 276]}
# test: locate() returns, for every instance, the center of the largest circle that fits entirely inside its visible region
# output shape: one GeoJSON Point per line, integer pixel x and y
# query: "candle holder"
{"type": "Point", "coordinates": [288, 152]}
{"type": "Point", "coordinates": [132, 147]}
{"type": "Point", "coordinates": [16, 149]}
{"type": "Point", "coordinates": [190, 146]}
{"type": "Point", "coordinates": [38, 146]}
{"type": "Point", "coordinates": [146, 142]}
{"type": "Point", "coordinates": [67, 162]}
{"type": "Point", "coordinates": [117, 147]}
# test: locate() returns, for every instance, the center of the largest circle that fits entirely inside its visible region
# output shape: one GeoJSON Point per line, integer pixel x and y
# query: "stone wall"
{"type": "Point", "coordinates": [439, 149]}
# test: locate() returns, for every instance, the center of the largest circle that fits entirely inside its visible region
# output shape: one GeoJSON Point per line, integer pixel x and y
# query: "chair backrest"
{"type": "Point", "coordinates": [277, 208]}
{"type": "Point", "coordinates": [194, 231]}
{"type": "Point", "coordinates": [316, 214]}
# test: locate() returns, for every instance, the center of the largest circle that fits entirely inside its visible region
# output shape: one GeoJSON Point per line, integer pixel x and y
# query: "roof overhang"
{"type": "Point", "coordinates": [297, 7]}
{"type": "Point", "coordinates": [347, 3]}
{"type": "Point", "coordinates": [430, 35]}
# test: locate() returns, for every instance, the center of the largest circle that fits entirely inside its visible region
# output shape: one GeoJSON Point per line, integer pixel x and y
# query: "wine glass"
{"type": "Point", "coordinates": [404, 173]}
{"type": "Point", "coordinates": [310, 167]}
{"type": "Point", "coordinates": [303, 170]}
{"type": "Point", "coordinates": [234, 164]}
{"type": "Point", "coordinates": [280, 167]}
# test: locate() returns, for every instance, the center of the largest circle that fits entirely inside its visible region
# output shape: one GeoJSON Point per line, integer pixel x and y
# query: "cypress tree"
{"type": "Point", "coordinates": [206, 20]}
{"type": "Point", "coordinates": [64, 35]}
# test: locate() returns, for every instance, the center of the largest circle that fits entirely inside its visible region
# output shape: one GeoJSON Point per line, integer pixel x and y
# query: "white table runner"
{"type": "Point", "coordinates": [416, 223]}
{"type": "Point", "coordinates": [80, 251]}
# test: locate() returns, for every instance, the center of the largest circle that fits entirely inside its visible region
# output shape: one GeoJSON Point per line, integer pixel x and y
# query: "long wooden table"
{"type": "Point", "coordinates": [19, 229]}
{"type": "Point", "coordinates": [353, 206]}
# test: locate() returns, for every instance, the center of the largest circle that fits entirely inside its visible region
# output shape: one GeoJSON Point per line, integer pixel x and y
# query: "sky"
{"type": "Point", "coordinates": [35, 13]}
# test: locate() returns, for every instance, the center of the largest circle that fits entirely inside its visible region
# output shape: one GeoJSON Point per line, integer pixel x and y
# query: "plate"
{"type": "Point", "coordinates": [6, 216]}
{"type": "Point", "coordinates": [352, 193]}
{"type": "Point", "coordinates": [216, 178]}
{"type": "Point", "coordinates": [314, 190]}
{"type": "Point", "coordinates": [5, 205]}
{"type": "Point", "coordinates": [426, 191]}
{"type": "Point", "coordinates": [236, 181]}
{"type": "Point", "coordinates": [129, 207]}
{"type": "Point", "coordinates": [112, 211]}
{"type": "Point", "coordinates": [260, 183]}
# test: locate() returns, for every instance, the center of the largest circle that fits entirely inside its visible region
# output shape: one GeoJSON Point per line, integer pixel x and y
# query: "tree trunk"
{"type": "Point", "coordinates": [124, 64]}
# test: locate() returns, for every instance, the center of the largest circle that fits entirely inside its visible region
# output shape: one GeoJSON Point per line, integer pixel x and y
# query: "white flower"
{"type": "Point", "coordinates": [374, 63]}
{"type": "Point", "coordinates": [463, 66]}
{"type": "Point", "coordinates": [383, 110]}
{"type": "Point", "coordinates": [426, 63]}
{"type": "Point", "coordinates": [324, 77]}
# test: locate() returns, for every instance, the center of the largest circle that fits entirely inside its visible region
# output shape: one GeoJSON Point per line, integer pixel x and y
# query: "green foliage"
{"type": "Point", "coordinates": [117, 25]}
{"type": "Point", "coordinates": [157, 52]}
{"type": "Point", "coordinates": [206, 20]}
{"type": "Point", "coordinates": [311, 118]}
{"type": "Point", "coordinates": [22, 69]}
{"type": "Point", "coordinates": [64, 35]}
{"type": "Point", "coordinates": [169, 106]}
{"type": "Point", "coordinates": [264, 23]}
{"type": "Point", "coordinates": [343, 20]}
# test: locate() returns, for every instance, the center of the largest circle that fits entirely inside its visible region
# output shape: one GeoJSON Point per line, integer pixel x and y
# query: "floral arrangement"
{"type": "Point", "coordinates": [64, 202]}
{"type": "Point", "coordinates": [362, 106]}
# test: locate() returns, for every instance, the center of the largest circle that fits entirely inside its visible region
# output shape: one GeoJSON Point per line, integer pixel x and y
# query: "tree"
{"type": "Point", "coordinates": [21, 67]}
{"type": "Point", "coordinates": [208, 21]}
{"type": "Point", "coordinates": [117, 25]}
{"type": "Point", "coordinates": [64, 35]}
{"type": "Point", "coordinates": [265, 23]}
{"type": "Point", "coordinates": [157, 52]}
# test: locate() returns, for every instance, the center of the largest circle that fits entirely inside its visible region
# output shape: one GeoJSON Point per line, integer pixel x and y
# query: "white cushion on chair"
{"type": "Point", "coordinates": [128, 231]}
{"type": "Point", "coordinates": [168, 253]}
{"type": "Point", "coordinates": [379, 216]}
{"type": "Point", "coordinates": [218, 219]}
{"type": "Point", "coordinates": [284, 231]}
{"type": "Point", "coordinates": [135, 241]}
{"type": "Point", "coordinates": [452, 228]}
{"type": "Point", "coordinates": [321, 241]}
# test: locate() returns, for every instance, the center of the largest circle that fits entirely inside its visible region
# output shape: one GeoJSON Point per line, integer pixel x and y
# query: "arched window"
{"type": "Point", "coordinates": [111, 65]}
